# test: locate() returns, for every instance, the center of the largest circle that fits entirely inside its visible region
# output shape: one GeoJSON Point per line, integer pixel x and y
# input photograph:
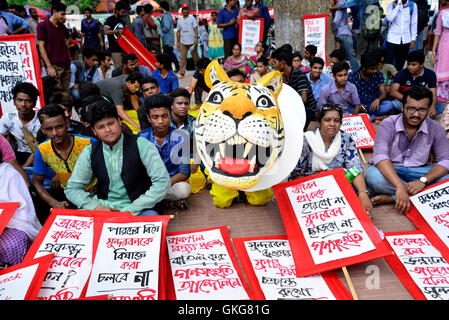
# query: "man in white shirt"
{"type": "Point", "coordinates": [187, 36]}
{"type": "Point", "coordinates": [402, 22]}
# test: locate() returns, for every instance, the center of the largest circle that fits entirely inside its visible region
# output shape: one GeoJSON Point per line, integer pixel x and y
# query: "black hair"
{"type": "Point", "coordinates": [287, 46]}
{"type": "Point", "coordinates": [58, 6]}
{"type": "Point", "coordinates": [50, 111]}
{"type": "Point", "coordinates": [89, 52]}
{"type": "Point", "coordinates": [281, 54]}
{"type": "Point", "coordinates": [103, 54]}
{"type": "Point", "coordinates": [164, 59]}
{"type": "Point", "coordinates": [236, 71]}
{"type": "Point", "coordinates": [237, 44]}
{"type": "Point", "coordinates": [135, 76]}
{"type": "Point", "coordinates": [157, 101]}
{"type": "Point", "coordinates": [101, 109]}
{"type": "Point", "coordinates": [296, 54]}
{"type": "Point", "coordinates": [180, 92]}
{"type": "Point", "coordinates": [120, 5]}
{"type": "Point", "coordinates": [87, 9]}
{"type": "Point", "coordinates": [139, 9]}
{"type": "Point", "coordinates": [311, 49]}
{"type": "Point", "coordinates": [4, 5]}
{"type": "Point", "coordinates": [129, 57]}
{"type": "Point", "coordinates": [150, 79]}
{"type": "Point", "coordinates": [330, 107]}
{"type": "Point", "coordinates": [263, 60]}
{"type": "Point", "coordinates": [62, 97]}
{"type": "Point", "coordinates": [368, 60]}
{"type": "Point", "coordinates": [340, 66]}
{"type": "Point", "coordinates": [316, 60]}
{"type": "Point", "coordinates": [202, 63]}
{"type": "Point", "coordinates": [148, 8]}
{"type": "Point", "coordinates": [27, 88]}
{"type": "Point", "coordinates": [339, 54]}
{"type": "Point", "coordinates": [380, 52]}
{"type": "Point", "coordinates": [164, 5]}
{"type": "Point", "coordinates": [417, 93]}
{"type": "Point", "coordinates": [416, 56]}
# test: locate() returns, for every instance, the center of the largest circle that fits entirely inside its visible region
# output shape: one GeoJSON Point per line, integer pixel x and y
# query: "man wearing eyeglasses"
{"type": "Point", "coordinates": [402, 149]}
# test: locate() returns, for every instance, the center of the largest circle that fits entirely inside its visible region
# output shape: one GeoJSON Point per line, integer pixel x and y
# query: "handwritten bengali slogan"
{"type": "Point", "coordinates": [327, 221]}
{"type": "Point", "coordinates": [315, 32]}
{"type": "Point", "coordinates": [71, 239]}
{"type": "Point", "coordinates": [17, 64]}
{"type": "Point", "coordinates": [273, 264]}
{"type": "Point", "coordinates": [127, 261]}
{"type": "Point", "coordinates": [356, 127]}
{"type": "Point", "coordinates": [433, 205]}
{"type": "Point", "coordinates": [202, 268]}
{"type": "Point", "coordinates": [250, 35]}
{"type": "Point", "coordinates": [424, 264]}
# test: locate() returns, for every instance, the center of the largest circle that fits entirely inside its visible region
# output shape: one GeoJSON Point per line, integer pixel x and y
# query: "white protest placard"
{"type": "Point", "coordinates": [127, 261]}
{"type": "Point", "coordinates": [250, 33]}
{"type": "Point", "coordinates": [203, 266]}
{"type": "Point", "coordinates": [19, 62]}
{"type": "Point", "coordinates": [315, 33]}
{"type": "Point", "coordinates": [361, 130]}
{"type": "Point", "coordinates": [424, 264]}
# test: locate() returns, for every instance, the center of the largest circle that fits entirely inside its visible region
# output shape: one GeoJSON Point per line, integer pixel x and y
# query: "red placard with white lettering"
{"type": "Point", "coordinates": [419, 265]}
{"type": "Point", "coordinates": [69, 234]}
{"type": "Point", "coordinates": [361, 130]}
{"type": "Point", "coordinates": [6, 212]}
{"type": "Point", "coordinates": [19, 62]}
{"type": "Point", "coordinates": [23, 281]}
{"type": "Point", "coordinates": [269, 266]}
{"type": "Point", "coordinates": [326, 224]}
{"type": "Point", "coordinates": [130, 258]}
{"type": "Point", "coordinates": [203, 266]}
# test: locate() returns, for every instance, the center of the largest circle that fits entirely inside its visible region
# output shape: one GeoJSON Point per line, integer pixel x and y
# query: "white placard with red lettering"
{"type": "Point", "coordinates": [203, 266]}
{"type": "Point", "coordinates": [424, 264]}
{"type": "Point", "coordinates": [250, 33]}
{"type": "Point", "coordinates": [315, 33]}
{"type": "Point", "coordinates": [127, 261]}
{"type": "Point", "coordinates": [361, 130]}
{"type": "Point", "coordinates": [331, 229]}
{"type": "Point", "coordinates": [19, 62]}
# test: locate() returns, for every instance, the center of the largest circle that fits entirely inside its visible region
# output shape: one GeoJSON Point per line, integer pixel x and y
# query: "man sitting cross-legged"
{"type": "Point", "coordinates": [131, 175]}
{"type": "Point", "coordinates": [402, 149]}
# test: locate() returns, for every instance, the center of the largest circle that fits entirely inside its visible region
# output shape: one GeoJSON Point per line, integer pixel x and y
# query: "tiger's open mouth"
{"type": "Point", "coordinates": [237, 157]}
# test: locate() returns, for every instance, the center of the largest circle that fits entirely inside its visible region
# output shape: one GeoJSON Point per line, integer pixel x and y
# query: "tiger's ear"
{"type": "Point", "coordinates": [214, 74]}
{"type": "Point", "coordinates": [272, 81]}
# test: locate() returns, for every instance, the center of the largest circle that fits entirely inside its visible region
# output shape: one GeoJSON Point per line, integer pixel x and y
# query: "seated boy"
{"type": "Point", "coordinates": [173, 146]}
{"type": "Point", "coordinates": [131, 175]}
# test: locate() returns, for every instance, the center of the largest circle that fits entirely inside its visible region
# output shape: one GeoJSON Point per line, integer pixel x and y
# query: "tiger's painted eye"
{"type": "Point", "coordinates": [264, 102]}
{"type": "Point", "coordinates": [215, 98]}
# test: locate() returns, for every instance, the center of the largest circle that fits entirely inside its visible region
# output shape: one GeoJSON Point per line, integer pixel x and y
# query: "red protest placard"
{"type": "Point", "coordinates": [129, 43]}
{"type": "Point", "coordinates": [130, 258]}
{"type": "Point", "coordinates": [419, 265]}
{"type": "Point", "coordinates": [6, 212]}
{"type": "Point", "coordinates": [326, 225]}
{"type": "Point", "coordinates": [361, 130]}
{"type": "Point", "coordinates": [19, 62]}
{"type": "Point", "coordinates": [269, 266]}
{"type": "Point", "coordinates": [69, 234]}
{"type": "Point", "coordinates": [23, 281]}
{"type": "Point", "coordinates": [203, 266]}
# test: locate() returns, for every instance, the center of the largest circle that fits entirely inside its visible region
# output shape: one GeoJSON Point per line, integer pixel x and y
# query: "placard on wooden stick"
{"type": "Point", "coordinates": [326, 224]}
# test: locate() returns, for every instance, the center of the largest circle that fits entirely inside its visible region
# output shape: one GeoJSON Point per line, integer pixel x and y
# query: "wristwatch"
{"type": "Point", "coordinates": [423, 179]}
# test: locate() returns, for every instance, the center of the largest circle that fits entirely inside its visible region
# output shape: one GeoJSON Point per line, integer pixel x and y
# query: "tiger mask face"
{"type": "Point", "coordinates": [239, 131]}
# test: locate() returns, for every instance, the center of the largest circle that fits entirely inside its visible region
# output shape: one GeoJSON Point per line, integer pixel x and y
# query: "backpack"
{"type": "Point", "coordinates": [423, 13]}
{"type": "Point", "coordinates": [150, 33]}
{"type": "Point", "coordinates": [372, 23]}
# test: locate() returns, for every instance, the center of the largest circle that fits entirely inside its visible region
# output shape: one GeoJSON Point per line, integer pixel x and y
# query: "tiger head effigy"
{"type": "Point", "coordinates": [239, 131]}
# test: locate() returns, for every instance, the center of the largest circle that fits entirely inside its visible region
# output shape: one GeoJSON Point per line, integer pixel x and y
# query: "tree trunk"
{"type": "Point", "coordinates": [289, 23]}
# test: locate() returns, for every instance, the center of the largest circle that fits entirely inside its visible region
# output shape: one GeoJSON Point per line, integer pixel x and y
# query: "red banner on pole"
{"type": "Point", "coordinates": [129, 43]}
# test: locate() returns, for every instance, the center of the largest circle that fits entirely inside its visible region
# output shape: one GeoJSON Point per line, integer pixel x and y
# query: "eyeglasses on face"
{"type": "Point", "coordinates": [412, 110]}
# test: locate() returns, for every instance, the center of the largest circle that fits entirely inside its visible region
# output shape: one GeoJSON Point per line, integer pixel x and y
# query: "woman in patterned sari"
{"type": "Point", "coordinates": [329, 148]}
{"type": "Point", "coordinates": [237, 60]}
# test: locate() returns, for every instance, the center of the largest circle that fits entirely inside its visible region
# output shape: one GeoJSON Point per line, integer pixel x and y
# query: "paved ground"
{"type": "Point", "coordinates": [244, 220]}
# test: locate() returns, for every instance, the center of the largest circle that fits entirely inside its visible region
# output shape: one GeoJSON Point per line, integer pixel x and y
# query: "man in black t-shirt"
{"type": "Point", "coordinates": [113, 27]}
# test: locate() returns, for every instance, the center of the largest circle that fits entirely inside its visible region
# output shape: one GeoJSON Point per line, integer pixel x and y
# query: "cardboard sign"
{"type": "Point", "coordinates": [419, 265]}
{"type": "Point", "coordinates": [203, 266]}
{"type": "Point", "coordinates": [6, 212]}
{"type": "Point", "coordinates": [315, 33]}
{"type": "Point", "coordinates": [19, 62]}
{"type": "Point", "coordinates": [269, 266]}
{"type": "Point", "coordinates": [23, 281]}
{"type": "Point", "coordinates": [69, 234]}
{"type": "Point", "coordinates": [326, 224]}
{"type": "Point", "coordinates": [430, 212]}
{"type": "Point", "coordinates": [127, 261]}
{"type": "Point", "coordinates": [250, 33]}
{"type": "Point", "coordinates": [361, 130]}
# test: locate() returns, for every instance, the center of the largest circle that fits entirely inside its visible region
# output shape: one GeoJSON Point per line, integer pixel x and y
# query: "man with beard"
{"type": "Point", "coordinates": [370, 85]}
{"type": "Point", "coordinates": [401, 152]}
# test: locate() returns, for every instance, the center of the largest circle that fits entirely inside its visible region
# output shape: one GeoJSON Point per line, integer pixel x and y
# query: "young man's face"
{"type": "Point", "coordinates": [185, 12]}
{"type": "Point", "coordinates": [415, 111]}
{"type": "Point", "coordinates": [107, 63]}
{"type": "Point", "coordinates": [316, 70]}
{"type": "Point", "coordinates": [149, 89]}
{"type": "Point", "coordinates": [248, 3]}
{"type": "Point", "coordinates": [55, 128]}
{"type": "Point", "coordinates": [92, 61]}
{"type": "Point", "coordinates": [108, 130]}
{"type": "Point", "coordinates": [370, 72]}
{"type": "Point", "coordinates": [278, 65]}
{"type": "Point", "coordinates": [307, 55]}
{"type": "Point", "coordinates": [180, 106]}
{"type": "Point", "coordinates": [159, 119]}
{"type": "Point", "coordinates": [33, 13]}
{"type": "Point", "coordinates": [333, 61]}
{"type": "Point", "coordinates": [341, 78]}
{"type": "Point", "coordinates": [132, 87]}
{"type": "Point", "coordinates": [88, 14]}
{"type": "Point", "coordinates": [414, 67]}
{"type": "Point", "coordinates": [23, 103]}
{"type": "Point", "coordinates": [60, 16]}
{"type": "Point", "coordinates": [121, 13]}
{"type": "Point", "coordinates": [130, 66]}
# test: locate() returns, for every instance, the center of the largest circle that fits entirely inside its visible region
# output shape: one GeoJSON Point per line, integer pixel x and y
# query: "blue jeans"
{"type": "Point", "coordinates": [377, 183]}
{"type": "Point", "coordinates": [348, 45]}
{"type": "Point", "coordinates": [385, 107]}
{"type": "Point", "coordinates": [398, 106]}
{"type": "Point", "coordinates": [149, 212]}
